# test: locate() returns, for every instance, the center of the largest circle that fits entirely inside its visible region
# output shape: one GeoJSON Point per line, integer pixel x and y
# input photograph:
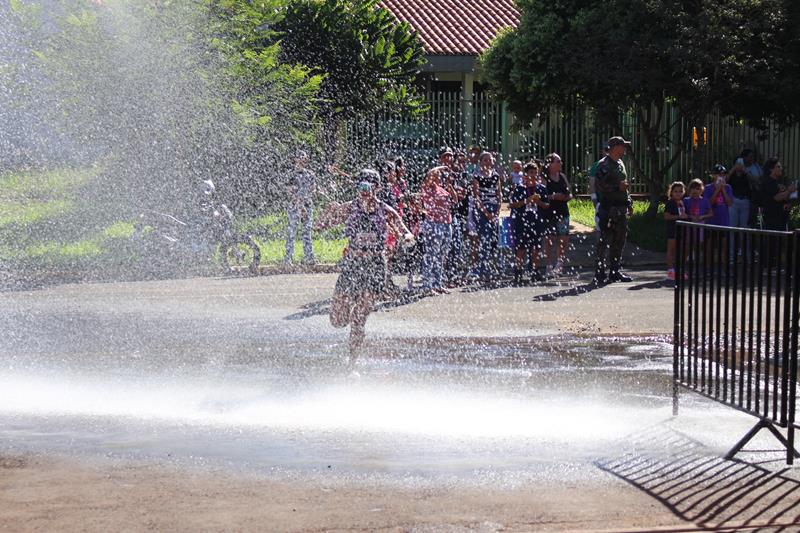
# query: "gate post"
{"type": "Point", "coordinates": [677, 332]}
{"type": "Point", "coordinates": [794, 264]}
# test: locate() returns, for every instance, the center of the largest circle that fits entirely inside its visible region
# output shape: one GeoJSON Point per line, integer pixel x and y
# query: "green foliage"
{"type": "Point", "coordinates": [273, 96]}
{"type": "Point", "coordinates": [633, 56]}
{"type": "Point", "coordinates": [368, 58]}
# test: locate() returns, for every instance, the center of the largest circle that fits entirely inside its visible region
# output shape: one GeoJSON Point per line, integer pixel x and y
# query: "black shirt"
{"type": "Point", "coordinates": [740, 184]}
{"type": "Point", "coordinates": [558, 208]}
{"type": "Point", "coordinates": [775, 216]}
{"type": "Point", "coordinates": [461, 207]}
{"type": "Point", "coordinates": [487, 188]}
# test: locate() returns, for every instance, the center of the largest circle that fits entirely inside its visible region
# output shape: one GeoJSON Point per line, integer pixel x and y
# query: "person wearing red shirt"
{"type": "Point", "coordinates": [437, 201]}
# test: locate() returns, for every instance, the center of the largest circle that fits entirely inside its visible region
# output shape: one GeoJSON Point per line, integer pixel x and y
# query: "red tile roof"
{"type": "Point", "coordinates": [455, 27]}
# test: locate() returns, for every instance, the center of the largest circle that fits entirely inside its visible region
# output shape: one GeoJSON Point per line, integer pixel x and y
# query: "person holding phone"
{"type": "Point", "coordinates": [720, 195]}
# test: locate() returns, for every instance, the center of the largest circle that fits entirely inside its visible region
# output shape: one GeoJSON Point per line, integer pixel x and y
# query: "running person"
{"type": "Point", "coordinates": [368, 221]}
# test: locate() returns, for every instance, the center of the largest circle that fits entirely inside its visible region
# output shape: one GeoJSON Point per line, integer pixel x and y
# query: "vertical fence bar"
{"type": "Point", "coordinates": [750, 317]}
{"type": "Point", "coordinates": [696, 277]}
{"type": "Point", "coordinates": [688, 298]}
{"type": "Point", "coordinates": [682, 267]}
{"type": "Point", "coordinates": [718, 325]}
{"type": "Point", "coordinates": [734, 359]}
{"type": "Point", "coordinates": [792, 381]}
{"type": "Point", "coordinates": [677, 316]}
{"type": "Point", "coordinates": [776, 352]}
{"type": "Point", "coordinates": [725, 338]}
{"type": "Point", "coordinates": [791, 258]}
{"type": "Point", "coordinates": [702, 259]}
{"type": "Point", "coordinates": [742, 338]}
{"type": "Point", "coordinates": [760, 301]}
{"type": "Point", "coordinates": [768, 322]}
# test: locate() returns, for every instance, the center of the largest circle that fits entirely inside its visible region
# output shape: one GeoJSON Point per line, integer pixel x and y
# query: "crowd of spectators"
{"type": "Point", "coordinates": [748, 195]}
{"type": "Point", "coordinates": [463, 236]}
{"type": "Point", "coordinates": [455, 215]}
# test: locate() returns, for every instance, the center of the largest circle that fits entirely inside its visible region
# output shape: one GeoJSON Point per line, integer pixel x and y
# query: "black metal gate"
{"type": "Point", "coordinates": [737, 293]}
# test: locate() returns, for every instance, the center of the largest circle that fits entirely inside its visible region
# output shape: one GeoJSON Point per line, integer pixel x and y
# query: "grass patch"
{"type": "Point", "coordinates": [269, 232]}
{"type": "Point", "coordinates": [325, 250]}
{"type": "Point", "coordinates": [31, 212]}
{"type": "Point", "coordinates": [27, 198]}
{"type": "Point", "coordinates": [43, 185]}
{"type": "Point", "coordinates": [54, 252]}
{"type": "Point", "coordinates": [646, 232]}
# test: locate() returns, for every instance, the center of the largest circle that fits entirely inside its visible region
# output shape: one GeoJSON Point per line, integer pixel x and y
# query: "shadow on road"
{"type": "Point", "coordinates": [660, 284]}
{"type": "Point", "coordinates": [323, 307]}
{"type": "Point", "coordinates": [705, 489]}
{"type": "Point", "coordinates": [577, 290]}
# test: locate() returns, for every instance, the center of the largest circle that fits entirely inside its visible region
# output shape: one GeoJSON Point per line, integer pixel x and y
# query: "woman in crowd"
{"type": "Point", "coordinates": [459, 243]}
{"type": "Point", "coordinates": [559, 195]}
{"type": "Point", "coordinates": [438, 196]}
{"type": "Point", "coordinates": [368, 221]}
{"type": "Point", "coordinates": [776, 196]}
{"type": "Point", "coordinates": [742, 193]}
{"type": "Point", "coordinates": [528, 211]}
{"type": "Point", "coordinates": [487, 193]}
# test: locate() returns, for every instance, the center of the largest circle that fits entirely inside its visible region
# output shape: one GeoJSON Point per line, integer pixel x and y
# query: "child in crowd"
{"type": "Point", "coordinates": [516, 173]}
{"type": "Point", "coordinates": [720, 196]}
{"type": "Point", "coordinates": [697, 208]}
{"type": "Point", "coordinates": [674, 210]}
{"type": "Point", "coordinates": [528, 199]}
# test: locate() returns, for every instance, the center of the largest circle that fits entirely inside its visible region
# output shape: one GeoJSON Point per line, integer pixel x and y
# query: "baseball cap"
{"type": "Point", "coordinates": [444, 151]}
{"type": "Point", "coordinates": [617, 141]}
{"type": "Point", "coordinates": [719, 169]}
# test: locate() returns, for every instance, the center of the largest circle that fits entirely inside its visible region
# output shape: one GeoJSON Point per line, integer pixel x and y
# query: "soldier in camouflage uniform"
{"type": "Point", "coordinates": [614, 208]}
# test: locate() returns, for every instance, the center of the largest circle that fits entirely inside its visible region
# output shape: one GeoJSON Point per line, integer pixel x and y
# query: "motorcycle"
{"type": "Point", "coordinates": [168, 243]}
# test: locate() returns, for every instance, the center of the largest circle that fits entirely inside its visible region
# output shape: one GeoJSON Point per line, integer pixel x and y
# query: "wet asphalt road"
{"type": "Point", "coordinates": [504, 385]}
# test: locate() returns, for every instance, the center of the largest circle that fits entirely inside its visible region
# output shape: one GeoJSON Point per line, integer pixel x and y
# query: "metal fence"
{"type": "Point", "coordinates": [574, 133]}
{"type": "Point", "coordinates": [736, 323]}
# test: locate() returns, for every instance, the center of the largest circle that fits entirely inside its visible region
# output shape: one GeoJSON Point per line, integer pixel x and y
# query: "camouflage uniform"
{"type": "Point", "coordinates": [612, 215]}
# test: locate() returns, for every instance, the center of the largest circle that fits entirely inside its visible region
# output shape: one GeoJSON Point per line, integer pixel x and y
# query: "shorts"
{"type": "Point", "coordinates": [360, 274]}
{"type": "Point", "coordinates": [527, 234]}
{"type": "Point", "coordinates": [558, 226]}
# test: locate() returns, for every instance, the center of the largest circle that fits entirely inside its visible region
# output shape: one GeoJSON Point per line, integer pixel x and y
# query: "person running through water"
{"type": "Point", "coordinates": [367, 221]}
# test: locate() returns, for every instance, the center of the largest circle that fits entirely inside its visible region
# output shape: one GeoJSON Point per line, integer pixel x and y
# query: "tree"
{"type": "Point", "coordinates": [636, 55]}
{"type": "Point", "coordinates": [162, 95]}
{"type": "Point", "coordinates": [369, 61]}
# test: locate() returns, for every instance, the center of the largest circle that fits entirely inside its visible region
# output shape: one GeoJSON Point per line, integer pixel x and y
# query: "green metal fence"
{"type": "Point", "coordinates": [574, 134]}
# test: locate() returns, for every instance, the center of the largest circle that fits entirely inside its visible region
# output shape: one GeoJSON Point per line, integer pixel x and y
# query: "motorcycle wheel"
{"type": "Point", "coordinates": [241, 253]}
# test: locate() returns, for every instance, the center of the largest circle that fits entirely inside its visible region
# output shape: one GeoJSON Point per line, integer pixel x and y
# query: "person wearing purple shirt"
{"type": "Point", "coordinates": [697, 208]}
{"type": "Point", "coordinates": [720, 195]}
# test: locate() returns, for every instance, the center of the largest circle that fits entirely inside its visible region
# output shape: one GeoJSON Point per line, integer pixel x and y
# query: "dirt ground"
{"type": "Point", "coordinates": [52, 494]}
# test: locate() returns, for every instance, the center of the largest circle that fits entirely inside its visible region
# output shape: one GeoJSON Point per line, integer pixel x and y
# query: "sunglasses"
{"type": "Point", "coordinates": [364, 186]}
